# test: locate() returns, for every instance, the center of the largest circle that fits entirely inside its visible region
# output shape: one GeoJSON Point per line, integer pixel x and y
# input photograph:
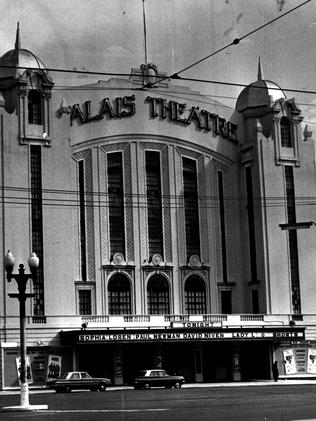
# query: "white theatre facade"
{"type": "Point", "coordinates": [169, 227]}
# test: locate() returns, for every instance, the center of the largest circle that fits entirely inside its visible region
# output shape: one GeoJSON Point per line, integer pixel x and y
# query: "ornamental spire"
{"type": "Point", "coordinates": [145, 33]}
{"type": "Point", "coordinates": [17, 38]}
{"type": "Point", "coordinates": [259, 70]}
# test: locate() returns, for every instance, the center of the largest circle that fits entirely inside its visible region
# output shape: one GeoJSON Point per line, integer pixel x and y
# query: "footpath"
{"type": "Point", "coordinates": [280, 382]}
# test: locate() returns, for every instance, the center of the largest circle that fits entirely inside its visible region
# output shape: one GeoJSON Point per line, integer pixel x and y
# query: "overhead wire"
{"type": "Point", "coordinates": [100, 199]}
{"type": "Point", "coordinates": [173, 76]}
{"type": "Point", "coordinates": [234, 42]}
{"type": "Point", "coordinates": [216, 82]}
{"type": "Point", "coordinates": [302, 91]}
{"type": "Point", "coordinates": [70, 198]}
{"type": "Point", "coordinates": [88, 87]}
{"type": "Point", "coordinates": [54, 69]}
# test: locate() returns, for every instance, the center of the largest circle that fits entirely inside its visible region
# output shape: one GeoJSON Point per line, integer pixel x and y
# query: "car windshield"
{"type": "Point", "coordinates": [158, 373]}
{"type": "Point", "coordinates": [142, 373]}
{"type": "Point", "coordinates": [64, 376]}
{"type": "Point", "coordinates": [85, 376]}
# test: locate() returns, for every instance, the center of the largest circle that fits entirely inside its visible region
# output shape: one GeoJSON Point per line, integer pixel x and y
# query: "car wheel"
{"type": "Point", "coordinates": [147, 386]}
{"type": "Point", "coordinates": [102, 387]}
{"type": "Point", "coordinates": [177, 385]}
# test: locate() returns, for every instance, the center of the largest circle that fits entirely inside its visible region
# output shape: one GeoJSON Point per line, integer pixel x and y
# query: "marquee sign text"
{"type": "Point", "coordinates": [185, 336]}
{"type": "Point", "coordinates": [122, 107]}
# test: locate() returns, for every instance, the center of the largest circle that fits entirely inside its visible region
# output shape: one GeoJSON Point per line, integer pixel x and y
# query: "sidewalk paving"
{"type": "Point", "coordinates": [280, 382]}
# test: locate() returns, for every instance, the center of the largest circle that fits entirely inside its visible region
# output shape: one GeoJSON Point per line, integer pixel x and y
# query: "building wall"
{"type": "Point", "coordinates": [75, 133]}
{"type": "Point", "coordinates": [133, 135]}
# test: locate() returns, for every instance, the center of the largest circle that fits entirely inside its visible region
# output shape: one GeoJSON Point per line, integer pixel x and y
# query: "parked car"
{"type": "Point", "coordinates": [157, 378]}
{"type": "Point", "coordinates": [78, 380]}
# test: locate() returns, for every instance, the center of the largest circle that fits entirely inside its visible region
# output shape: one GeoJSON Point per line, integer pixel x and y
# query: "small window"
{"type": "Point", "coordinates": [226, 298]}
{"type": "Point", "coordinates": [255, 301]}
{"type": "Point", "coordinates": [35, 107]}
{"type": "Point", "coordinates": [84, 296]}
{"type": "Point", "coordinates": [286, 134]}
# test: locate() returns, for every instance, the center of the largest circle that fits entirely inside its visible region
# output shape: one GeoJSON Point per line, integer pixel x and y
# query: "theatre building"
{"type": "Point", "coordinates": [172, 230]}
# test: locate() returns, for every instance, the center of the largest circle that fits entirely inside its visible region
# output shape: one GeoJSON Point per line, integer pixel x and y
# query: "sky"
{"type": "Point", "coordinates": [108, 36]}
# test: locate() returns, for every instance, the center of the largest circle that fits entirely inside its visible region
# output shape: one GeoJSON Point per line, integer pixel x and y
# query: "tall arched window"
{"type": "Point", "coordinates": [35, 107]}
{"type": "Point", "coordinates": [195, 295]}
{"type": "Point", "coordinates": [116, 203]}
{"type": "Point", "coordinates": [158, 295]}
{"type": "Point", "coordinates": [154, 205]}
{"type": "Point", "coordinates": [191, 207]}
{"type": "Point", "coordinates": [286, 134]}
{"type": "Point", "coordinates": [119, 295]}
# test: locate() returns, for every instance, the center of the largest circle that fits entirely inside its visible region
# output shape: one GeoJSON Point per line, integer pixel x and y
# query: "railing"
{"type": "Point", "coordinates": [177, 318]}
{"type": "Point", "coordinates": [251, 317]}
{"type": "Point", "coordinates": [214, 318]}
{"type": "Point", "coordinates": [157, 321]}
{"type": "Point", "coordinates": [37, 319]}
{"type": "Point", "coordinates": [95, 319]}
{"type": "Point", "coordinates": [137, 319]}
{"type": "Point", "coordinates": [297, 317]}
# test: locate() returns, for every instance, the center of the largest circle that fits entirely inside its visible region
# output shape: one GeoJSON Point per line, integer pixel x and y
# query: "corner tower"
{"type": "Point", "coordinates": [26, 85]}
{"type": "Point", "coordinates": [25, 128]}
{"type": "Point", "coordinates": [269, 156]}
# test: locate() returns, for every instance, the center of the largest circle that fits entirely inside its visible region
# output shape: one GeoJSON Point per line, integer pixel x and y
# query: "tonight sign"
{"type": "Point", "coordinates": [122, 107]}
{"type": "Point", "coordinates": [189, 336]}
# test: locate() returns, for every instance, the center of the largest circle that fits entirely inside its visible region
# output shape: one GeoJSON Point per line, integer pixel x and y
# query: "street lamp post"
{"type": "Point", "coordinates": [21, 279]}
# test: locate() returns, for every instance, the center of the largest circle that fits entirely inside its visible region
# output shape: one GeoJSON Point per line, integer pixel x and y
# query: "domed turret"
{"type": "Point", "coordinates": [14, 62]}
{"type": "Point", "coordinates": [260, 93]}
{"type": "Point", "coordinates": [20, 69]}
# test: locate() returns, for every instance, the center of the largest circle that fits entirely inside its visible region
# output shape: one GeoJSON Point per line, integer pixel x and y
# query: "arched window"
{"type": "Point", "coordinates": [195, 295]}
{"type": "Point", "coordinates": [191, 207]}
{"type": "Point", "coordinates": [154, 205]}
{"type": "Point", "coordinates": [286, 134]}
{"type": "Point", "coordinates": [35, 107]}
{"type": "Point", "coordinates": [158, 295]}
{"type": "Point", "coordinates": [119, 295]}
{"type": "Point", "coordinates": [116, 203]}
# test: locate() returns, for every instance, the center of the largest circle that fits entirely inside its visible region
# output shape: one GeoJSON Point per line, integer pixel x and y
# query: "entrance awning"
{"type": "Point", "coordinates": [242, 334]}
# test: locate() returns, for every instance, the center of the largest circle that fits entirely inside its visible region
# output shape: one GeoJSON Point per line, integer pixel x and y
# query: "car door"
{"type": "Point", "coordinates": [153, 379]}
{"type": "Point", "coordinates": [86, 381]}
{"type": "Point", "coordinates": [163, 379]}
{"type": "Point", "coordinates": [74, 381]}
{"type": "Point", "coordinates": [159, 378]}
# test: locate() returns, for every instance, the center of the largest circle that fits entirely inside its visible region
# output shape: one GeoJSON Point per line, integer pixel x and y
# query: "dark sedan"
{"type": "Point", "coordinates": [75, 380]}
{"type": "Point", "coordinates": [157, 378]}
